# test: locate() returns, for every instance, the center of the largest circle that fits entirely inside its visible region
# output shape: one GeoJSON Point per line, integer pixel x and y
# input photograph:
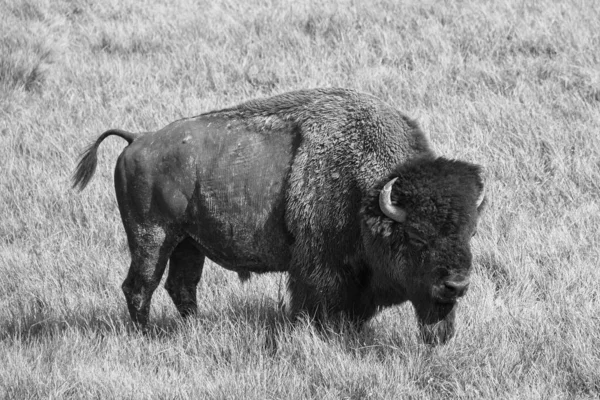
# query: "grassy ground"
{"type": "Point", "coordinates": [513, 85]}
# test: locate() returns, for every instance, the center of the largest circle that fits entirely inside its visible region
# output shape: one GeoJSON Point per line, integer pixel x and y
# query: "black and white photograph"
{"type": "Point", "coordinates": [336, 199]}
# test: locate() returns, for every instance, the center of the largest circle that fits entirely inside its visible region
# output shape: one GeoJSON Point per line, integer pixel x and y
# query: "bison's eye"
{"type": "Point", "coordinates": [474, 233]}
{"type": "Point", "coordinates": [415, 239]}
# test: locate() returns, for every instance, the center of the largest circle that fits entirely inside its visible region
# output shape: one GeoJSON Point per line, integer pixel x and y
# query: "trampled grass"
{"type": "Point", "coordinates": [513, 85]}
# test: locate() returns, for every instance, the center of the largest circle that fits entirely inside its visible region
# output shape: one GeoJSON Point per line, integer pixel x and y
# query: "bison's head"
{"type": "Point", "coordinates": [419, 224]}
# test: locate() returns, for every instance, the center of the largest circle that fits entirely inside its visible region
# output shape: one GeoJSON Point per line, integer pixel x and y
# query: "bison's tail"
{"type": "Point", "coordinates": [89, 159]}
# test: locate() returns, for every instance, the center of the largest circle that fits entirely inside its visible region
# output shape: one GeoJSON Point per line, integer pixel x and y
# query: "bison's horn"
{"type": "Point", "coordinates": [386, 206]}
{"type": "Point", "coordinates": [480, 198]}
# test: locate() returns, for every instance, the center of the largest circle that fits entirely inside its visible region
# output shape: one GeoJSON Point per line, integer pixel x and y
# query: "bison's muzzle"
{"type": "Point", "coordinates": [449, 291]}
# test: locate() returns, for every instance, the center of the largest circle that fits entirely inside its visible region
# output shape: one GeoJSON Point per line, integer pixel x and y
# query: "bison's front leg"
{"type": "Point", "coordinates": [185, 270]}
{"type": "Point", "coordinates": [303, 299]}
{"type": "Point", "coordinates": [329, 297]}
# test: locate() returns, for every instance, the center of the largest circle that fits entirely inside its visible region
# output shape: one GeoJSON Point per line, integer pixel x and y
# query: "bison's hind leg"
{"type": "Point", "coordinates": [150, 247]}
{"type": "Point", "coordinates": [185, 270]}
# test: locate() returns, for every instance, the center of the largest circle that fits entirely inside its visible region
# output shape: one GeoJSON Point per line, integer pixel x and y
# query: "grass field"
{"type": "Point", "coordinates": [513, 85]}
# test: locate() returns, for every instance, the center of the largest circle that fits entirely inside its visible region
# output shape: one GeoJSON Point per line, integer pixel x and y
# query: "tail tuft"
{"type": "Point", "coordinates": [86, 167]}
{"type": "Point", "coordinates": [89, 158]}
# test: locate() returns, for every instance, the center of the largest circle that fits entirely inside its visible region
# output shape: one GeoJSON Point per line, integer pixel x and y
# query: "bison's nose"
{"type": "Point", "coordinates": [456, 289]}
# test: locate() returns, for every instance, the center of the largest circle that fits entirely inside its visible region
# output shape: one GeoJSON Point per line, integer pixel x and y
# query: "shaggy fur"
{"type": "Point", "coordinates": [291, 183]}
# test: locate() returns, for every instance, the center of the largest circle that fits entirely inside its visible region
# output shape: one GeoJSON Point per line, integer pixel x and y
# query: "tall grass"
{"type": "Point", "coordinates": [513, 85]}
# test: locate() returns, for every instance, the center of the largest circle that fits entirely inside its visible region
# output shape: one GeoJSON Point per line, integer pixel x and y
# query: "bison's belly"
{"type": "Point", "coordinates": [242, 237]}
{"type": "Point", "coordinates": [240, 203]}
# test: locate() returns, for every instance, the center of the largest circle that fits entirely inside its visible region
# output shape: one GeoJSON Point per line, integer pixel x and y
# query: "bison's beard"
{"type": "Point", "coordinates": [436, 321]}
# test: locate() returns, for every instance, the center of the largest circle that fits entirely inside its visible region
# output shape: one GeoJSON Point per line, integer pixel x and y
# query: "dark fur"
{"type": "Point", "coordinates": [291, 183]}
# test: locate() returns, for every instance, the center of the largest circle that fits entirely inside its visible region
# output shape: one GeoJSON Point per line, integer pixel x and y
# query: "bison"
{"type": "Point", "coordinates": [332, 186]}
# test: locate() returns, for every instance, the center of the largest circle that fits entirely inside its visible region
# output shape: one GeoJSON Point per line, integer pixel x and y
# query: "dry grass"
{"type": "Point", "coordinates": [513, 85]}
